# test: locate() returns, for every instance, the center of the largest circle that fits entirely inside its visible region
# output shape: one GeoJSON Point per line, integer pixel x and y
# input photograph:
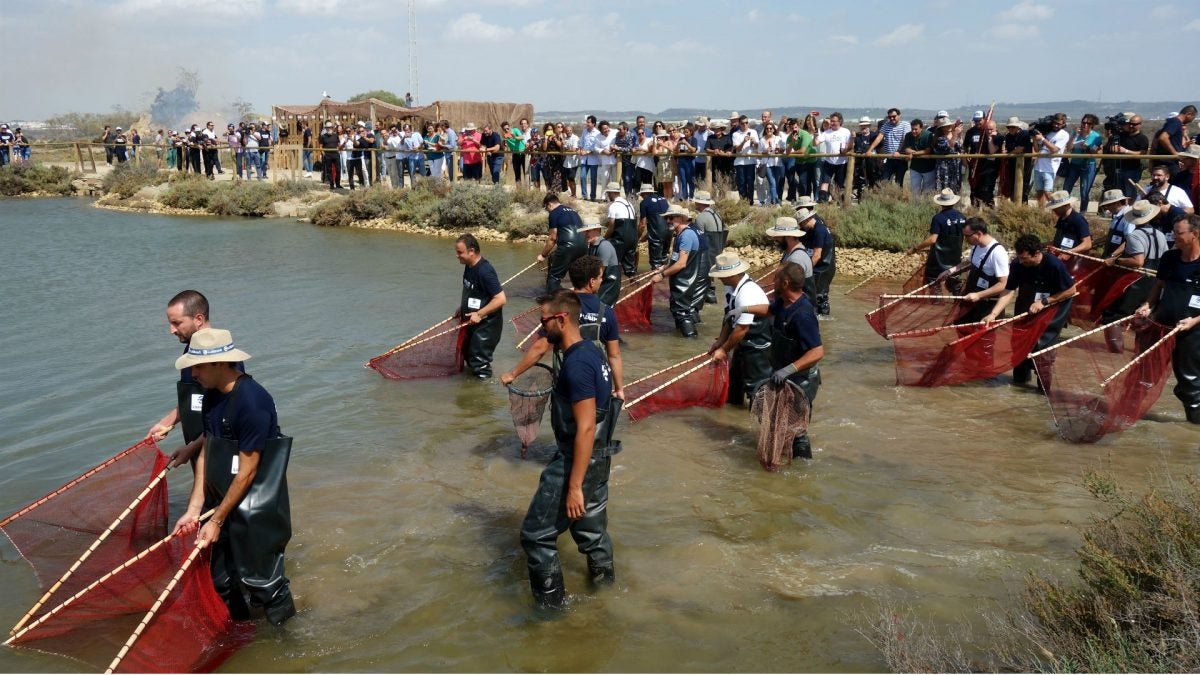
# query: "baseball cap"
{"type": "Point", "coordinates": [978, 115]}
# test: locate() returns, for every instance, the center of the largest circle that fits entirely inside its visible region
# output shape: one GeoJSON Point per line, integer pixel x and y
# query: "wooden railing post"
{"type": "Point", "coordinates": [848, 188]}
{"type": "Point", "coordinates": [1019, 195]}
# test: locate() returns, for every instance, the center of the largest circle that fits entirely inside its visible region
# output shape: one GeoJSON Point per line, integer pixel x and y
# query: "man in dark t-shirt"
{"type": "Point", "coordinates": [720, 147]}
{"type": "Point", "coordinates": [481, 307]}
{"type": "Point", "coordinates": [1071, 231]}
{"type": "Point", "coordinates": [564, 244]}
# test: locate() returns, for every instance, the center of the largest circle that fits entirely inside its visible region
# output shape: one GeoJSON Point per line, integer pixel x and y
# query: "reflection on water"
{"type": "Point", "coordinates": [407, 496]}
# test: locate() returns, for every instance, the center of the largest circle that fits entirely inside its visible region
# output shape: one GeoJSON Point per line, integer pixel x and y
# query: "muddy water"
{"type": "Point", "coordinates": [407, 497]}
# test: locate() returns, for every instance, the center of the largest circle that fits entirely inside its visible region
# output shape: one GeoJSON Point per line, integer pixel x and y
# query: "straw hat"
{"type": "Point", "coordinates": [804, 215]}
{"type": "Point", "coordinates": [1060, 199]}
{"type": "Point", "coordinates": [1141, 212]}
{"type": "Point", "coordinates": [806, 202]}
{"type": "Point", "coordinates": [702, 121]}
{"type": "Point", "coordinates": [946, 122]}
{"type": "Point", "coordinates": [1111, 196]}
{"type": "Point", "coordinates": [946, 198]}
{"type": "Point", "coordinates": [588, 226]}
{"type": "Point", "coordinates": [864, 121]}
{"type": "Point", "coordinates": [210, 345]}
{"type": "Point", "coordinates": [613, 186]}
{"type": "Point", "coordinates": [470, 126]}
{"type": "Point", "coordinates": [646, 187]}
{"type": "Point", "coordinates": [1192, 151]}
{"type": "Point", "coordinates": [785, 226]}
{"type": "Point", "coordinates": [728, 265]}
{"type": "Point", "coordinates": [1014, 122]}
{"type": "Point", "coordinates": [703, 197]}
{"type": "Point", "coordinates": [677, 210]}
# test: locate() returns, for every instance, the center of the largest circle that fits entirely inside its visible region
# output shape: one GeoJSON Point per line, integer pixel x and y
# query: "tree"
{"type": "Point", "coordinates": [381, 94]}
{"type": "Point", "coordinates": [243, 109]}
{"type": "Point", "coordinates": [171, 106]}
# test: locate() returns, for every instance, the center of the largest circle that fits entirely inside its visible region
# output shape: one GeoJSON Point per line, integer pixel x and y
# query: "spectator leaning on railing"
{"type": "Point", "coordinates": [891, 138]}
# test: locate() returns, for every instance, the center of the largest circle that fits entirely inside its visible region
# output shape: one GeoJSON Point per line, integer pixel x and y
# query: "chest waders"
{"type": "Point", "coordinates": [784, 350]}
{"type": "Point", "coordinates": [190, 401]}
{"type": "Point", "coordinates": [1115, 237]}
{"type": "Point", "coordinates": [945, 253]}
{"type": "Point", "coordinates": [1026, 294]}
{"type": "Point", "coordinates": [1139, 291]}
{"type": "Point", "coordinates": [547, 518]}
{"type": "Point", "coordinates": [688, 288]}
{"type": "Point", "coordinates": [750, 362]}
{"type": "Point", "coordinates": [570, 246]}
{"type": "Point", "coordinates": [716, 241]}
{"type": "Point", "coordinates": [1181, 300]}
{"type": "Point", "coordinates": [625, 240]}
{"type": "Point", "coordinates": [248, 558]}
{"type": "Point", "coordinates": [977, 281]}
{"type": "Point", "coordinates": [480, 341]}
{"type": "Point", "coordinates": [610, 281]}
{"type": "Point", "coordinates": [658, 238]}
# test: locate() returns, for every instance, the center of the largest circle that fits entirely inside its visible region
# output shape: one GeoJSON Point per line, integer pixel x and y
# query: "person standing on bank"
{"type": "Point", "coordinates": [795, 343]}
{"type": "Point", "coordinates": [745, 337]}
{"type": "Point", "coordinates": [241, 474]}
{"type": "Point", "coordinates": [572, 491]}
{"type": "Point", "coordinates": [945, 240]}
{"type": "Point", "coordinates": [1175, 300]}
{"type": "Point", "coordinates": [688, 283]}
{"type": "Point", "coordinates": [598, 246]}
{"type": "Point", "coordinates": [481, 307]}
{"type": "Point", "coordinates": [565, 242]}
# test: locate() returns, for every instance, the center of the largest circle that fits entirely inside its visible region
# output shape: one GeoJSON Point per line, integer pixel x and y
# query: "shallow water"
{"type": "Point", "coordinates": [407, 496]}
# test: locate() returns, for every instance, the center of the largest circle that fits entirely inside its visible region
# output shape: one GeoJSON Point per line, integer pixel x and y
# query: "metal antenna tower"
{"type": "Point", "coordinates": [413, 82]}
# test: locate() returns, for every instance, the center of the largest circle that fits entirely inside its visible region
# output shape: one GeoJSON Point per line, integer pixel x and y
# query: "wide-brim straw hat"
{"type": "Point", "coordinates": [613, 186]}
{"type": "Point", "coordinates": [703, 197]}
{"type": "Point", "coordinates": [210, 345]}
{"type": "Point", "coordinates": [785, 226]}
{"type": "Point", "coordinates": [1013, 122]}
{"type": "Point", "coordinates": [944, 123]}
{"type": "Point", "coordinates": [677, 210]}
{"type": "Point", "coordinates": [1141, 212]}
{"type": "Point", "coordinates": [804, 215]}
{"type": "Point", "coordinates": [806, 202]}
{"type": "Point", "coordinates": [470, 126]}
{"type": "Point", "coordinates": [646, 187]}
{"type": "Point", "coordinates": [1111, 196]}
{"type": "Point", "coordinates": [727, 265]}
{"type": "Point", "coordinates": [1060, 199]}
{"type": "Point", "coordinates": [588, 226]}
{"type": "Point", "coordinates": [946, 198]}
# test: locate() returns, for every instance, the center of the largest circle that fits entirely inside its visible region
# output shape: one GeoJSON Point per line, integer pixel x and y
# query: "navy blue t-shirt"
{"type": "Point", "coordinates": [654, 205]}
{"type": "Point", "coordinates": [1165, 222]}
{"type": "Point", "coordinates": [1071, 230]}
{"type": "Point", "coordinates": [481, 282]}
{"type": "Point", "coordinates": [797, 321]}
{"type": "Point", "coordinates": [254, 420]}
{"type": "Point", "coordinates": [564, 216]}
{"type": "Point", "coordinates": [949, 222]}
{"type": "Point", "coordinates": [1171, 267]}
{"type": "Point", "coordinates": [589, 308]}
{"type": "Point", "coordinates": [818, 237]}
{"type": "Point", "coordinates": [1050, 275]}
{"type": "Point", "coordinates": [584, 374]}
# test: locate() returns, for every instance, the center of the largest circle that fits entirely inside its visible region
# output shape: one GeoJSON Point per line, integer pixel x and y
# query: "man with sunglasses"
{"type": "Point", "coordinates": [888, 141]}
{"type": "Point", "coordinates": [1130, 141]}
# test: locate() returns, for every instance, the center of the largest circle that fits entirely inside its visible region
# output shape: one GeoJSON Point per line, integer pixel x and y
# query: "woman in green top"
{"type": "Point", "coordinates": [435, 140]}
{"type": "Point", "coordinates": [514, 143]}
{"type": "Point", "coordinates": [1085, 141]}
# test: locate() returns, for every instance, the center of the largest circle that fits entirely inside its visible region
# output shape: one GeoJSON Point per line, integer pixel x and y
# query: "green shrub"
{"type": "Point", "coordinates": [126, 179]}
{"type": "Point", "coordinates": [19, 179]}
{"type": "Point", "coordinates": [417, 205]}
{"type": "Point", "coordinates": [374, 202]}
{"type": "Point", "coordinates": [884, 219]}
{"type": "Point", "coordinates": [288, 188]}
{"type": "Point", "coordinates": [1010, 220]}
{"type": "Point", "coordinates": [469, 207]}
{"type": "Point", "coordinates": [333, 212]}
{"type": "Point", "coordinates": [243, 199]}
{"type": "Point", "coordinates": [529, 198]}
{"type": "Point", "coordinates": [518, 226]}
{"type": "Point", "coordinates": [188, 191]}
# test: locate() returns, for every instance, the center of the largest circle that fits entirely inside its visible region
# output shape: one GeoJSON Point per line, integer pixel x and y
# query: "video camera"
{"type": "Point", "coordinates": [1044, 125]}
{"type": "Point", "coordinates": [1113, 124]}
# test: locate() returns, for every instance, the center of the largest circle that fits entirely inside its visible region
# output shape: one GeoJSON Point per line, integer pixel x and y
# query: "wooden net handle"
{"type": "Point", "coordinates": [1141, 356]}
{"type": "Point", "coordinates": [666, 384]}
{"type": "Point", "coordinates": [162, 597]}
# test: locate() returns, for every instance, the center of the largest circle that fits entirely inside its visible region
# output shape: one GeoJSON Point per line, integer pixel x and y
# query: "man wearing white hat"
{"type": "Point", "coordinates": [712, 227]}
{"type": "Point", "coordinates": [791, 237]}
{"type": "Point", "coordinates": [866, 171]}
{"type": "Point", "coordinates": [1143, 247]}
{"type": "Point", "coordinates": [653, 224]}
{"type": "Point", "coordinates": [745, 338]}
{"type": "Point", "coordinates": [1114, 203]}
{"type": "Point", "coordinates": [622, 228]}
{"type": "Point", "coordinates": [945, 240]}
{"type": "Point", "coordinates": [241, 474]}
{"type": "Point", "coordinates": [330, 161]}
{"type": "Point", "coordinates": [598, 246]}
{"type": "Point", "coordinates": [688, 278]}
{"type": "Point", "coordinates": [1016, 142]}
{"type": "Point", "coordinates": [819, 243]}
{"type": "Point", "coordinates": [1072, 234]}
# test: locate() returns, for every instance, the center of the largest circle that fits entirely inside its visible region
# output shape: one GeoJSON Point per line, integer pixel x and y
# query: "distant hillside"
{"type": "Point", "coordinates": [1026, 111]}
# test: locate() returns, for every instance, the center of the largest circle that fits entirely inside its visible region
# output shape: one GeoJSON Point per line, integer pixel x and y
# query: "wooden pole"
{"type": "Point", "coordinates": [91, 158]}
{"type": "Point", "coordinates": [666, 384]}
{"type": "Point", "coordinates": [1081, 336]}
{"type": "Point", "coordinates": [1141, 356]}
{"type": "Point", "coordinates": [1019, 181]}
{"type": "Point", "coordinates": [660, 372]}
{"type": "Point", "coordinates": [78, 158]}
{"type": "Point", "coordinates": [162, 597]}
{"type": "Point", "coordinates": [848, 194]}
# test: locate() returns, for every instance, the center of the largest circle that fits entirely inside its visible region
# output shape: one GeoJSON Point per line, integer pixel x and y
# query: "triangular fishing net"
{"type": "Point", "coordinates": [935, 357]}
{"type": "Point", "coordinates": [56, 530]}
{"type": "Point", "coordinates": [1089, 393]}
{"type": "Point", "coordinates": [437, 352]}
{"type": "Point", "coordinates": [527, 398]}
{"type": "Point", "coordinates": [190, 632]}
{"type": "Point", "coordinates": [1098, 287]}
{"type": "Point", "coordinates": [633, 307]}
{"type": "Point", "coordinates": [697, 381]}
{"type": "Point", "coordinates": [882, 285]}
{"type": "Point", "coordinates": [526, 325]}
{"type": "Point", "coordinates": [782, 413]}
{"type": "Point", "coordinates": [915, 312]}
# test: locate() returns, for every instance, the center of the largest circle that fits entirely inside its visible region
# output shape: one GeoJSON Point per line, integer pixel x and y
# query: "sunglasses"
{"type": "Point", "coordinates": [546, 319]}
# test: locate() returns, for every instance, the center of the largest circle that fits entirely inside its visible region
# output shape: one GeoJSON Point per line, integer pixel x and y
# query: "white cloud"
{"type": "Point", "coordinates": [471, 27]}
{"type": "Point", "coordinates": [904, 34]}
{"type": "Point", "coordinates": [209, 9]}
{"type": "Point", "coordinates": [1194, 24]}
{"type": "Point", "coordinates": [310, 7]}
{"type": "Point", "coordinates": [754, 14]}
{"type": "Point", "coordinates": [1163, 12]}
{"type": "Point", "coordinates": [1014, 32]}
{"type": "Point", "coordinates": [1027, 10]}
{"type": "Point", "coordinates": [846, 40]}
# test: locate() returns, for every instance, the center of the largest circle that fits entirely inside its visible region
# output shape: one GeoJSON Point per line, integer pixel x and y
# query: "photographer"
{"type": "Point", "coordinates": [1128, 141]}
{"type": "Point", "coordinates": [1049, 138]}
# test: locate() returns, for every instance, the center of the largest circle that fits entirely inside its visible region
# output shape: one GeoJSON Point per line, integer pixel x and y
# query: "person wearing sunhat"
{"type": "Point", "coordinates": [945, 240]}
{"type": "Point", "coordinates": [819, 242]}
{"type": "Point", "coordinates": [745, 338]}
{"type": "Point", "coordinates": [1143, 247]}
{"type": "Point", "coordinates": [866, 171]}
{"type": "Point", "coordinates": [1116, 205]}
{"type": "Point", "coordinates": [791, 241]}
{"type": "Point", "coordinates": [622, 228]}
{"type": "Point", "coordinates": [795, 343]}
{"type": "Point", "coordinates": [598, 246]}
{"type": "Point", "coordinates": [652, 224]}
{"type": "Point", "coordinates": [712, 228]}
{"type": "Point", "coordinates": [241, 475]}
{"type": "Point", "coordinates": [1016, 142]}
{"type": "Point", "coordinates": [330, 161]}
{"type": "Point", "coordinates": [686, 272]}
{"type": "Point", "coordinates": [1072, 234]}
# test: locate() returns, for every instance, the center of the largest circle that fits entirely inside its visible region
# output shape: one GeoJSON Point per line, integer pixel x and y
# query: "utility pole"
{"type": "Point", "coordinates": [413, 82]}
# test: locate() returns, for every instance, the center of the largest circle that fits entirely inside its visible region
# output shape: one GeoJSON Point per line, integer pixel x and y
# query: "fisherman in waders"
{"type": "Point", "coordinates": [481, 307]}
{"type": "Point", "coordinates": [599, 247]}
{"type": "Point", "coordinates": [795, 343]}
{"type": "Point", "coordinates": [712, 227]}
{"type": "Point", "coordinates": [622, 228]}
{"type": "Point", "coordinates": [241, 475]}
{"type": "Point", "coordinates": [572, 492]}
{"type": "Point", "coordinates": [745, 338]}
{"type": "Point", "coordinates": [653, 224]}
{"type": "Point", "coordinates": [945, 241]}
{"type": "Point", "coordinates": [791, 242]}
{"type": "Point", "coordinates": [686, 271]}
{"type": "Point", "coordinates": [1175, 300]}
{"type": "Point", "coordinates": [564, 244]}
{"type": "Point", "coordinates": [819, 243]}
{"type": "Point", "coordinates": [988, 262]}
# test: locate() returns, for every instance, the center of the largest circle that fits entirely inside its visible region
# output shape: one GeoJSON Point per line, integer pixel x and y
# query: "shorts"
{"type": "Point", "coordinates": [1043, 181]}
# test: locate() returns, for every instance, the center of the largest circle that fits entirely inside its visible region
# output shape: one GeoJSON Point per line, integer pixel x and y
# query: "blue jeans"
{"type": "Point", "coordinates": [239, 163]}
{"type": "Point", "coordinates": [587, 176]}
{"type": "Point", "coordinates": [263, 155]}
{"type": "Point", "coordinates": [252, 166]}
{"type": "Point", "coordinates": [775, 184]}
{"type": "Point", "coordinates": [1086, 175]}
{"type": "Point", "coordinates": [793, 180]}
{"type": "Point", "coordinates": [307, 159]}
{"type": "Point", "coordinates": [687, 177]}
{"type": "Point", "coordinates": [495, 164]}
{"type": "Point", "coordinates": [743, 176]}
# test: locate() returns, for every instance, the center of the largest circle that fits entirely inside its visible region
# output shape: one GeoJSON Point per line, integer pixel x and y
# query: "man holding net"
{"type": "Point", "coordinates": [745, 338]}
{"type": "Point", "coordinates": [481, 306]}
{"type": "Point", "coordinates": [242, 477]}
{"type": "Point", "coordinates": [945, 240]}
{"type": "Point", "coordinates": [989, 265]}
{"type": "Point", "coordinates": [795, 343]}
{"type": "Point", "coordinates": [572, 492]}
{"type": "Point", "coordinates": [564, 243]}
{"type": "Point", "coordinates": [688, 283]}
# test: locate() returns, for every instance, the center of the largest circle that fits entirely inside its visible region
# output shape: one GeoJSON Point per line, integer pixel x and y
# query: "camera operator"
{"type": "Point", "coordinates": [1129, 141]}
{"type": "Point", "coordinates": [1049, 137]}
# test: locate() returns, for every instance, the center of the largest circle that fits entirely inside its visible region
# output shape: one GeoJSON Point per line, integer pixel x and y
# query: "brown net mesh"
{"type": "Point", "coordinates": [1090, 385]}
{"type": "Point", "coordinates": [697, 381]}
{"type": "Point", "coordinates": [915, 312]}
{"type": "Point", "coordinates": [934, 357]}
{"type": "Point", "coordinates": [527, 398]}
{"type": "Point", "coordinates": [526, 325]}
{"type": "Point", "coordinates": [782, 413]}
{"type": "Point", "coordinates": [437, 352]}
{"type": "Point", "coordinates": [1098, 286]}
{"type": "Point", "coordinates": [633, 307]}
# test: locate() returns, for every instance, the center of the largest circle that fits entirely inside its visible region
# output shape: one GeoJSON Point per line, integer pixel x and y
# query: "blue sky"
{"type": "Point", "coordinates": [72, 55]}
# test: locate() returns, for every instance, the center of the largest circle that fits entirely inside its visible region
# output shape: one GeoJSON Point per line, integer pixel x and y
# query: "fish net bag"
{"type": "Point", "coordinates": [527, 398]}
{"type": "Point", "coordinates": [782, 413]}
{"type": "Point", "coordinates": [695, 382]}
{"type": "Point", "coordinates": [633, 307]}
{"type": "Point", "coordinates": [437, 352]}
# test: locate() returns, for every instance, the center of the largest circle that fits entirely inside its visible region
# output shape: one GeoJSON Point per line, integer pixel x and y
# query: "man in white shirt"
{"type": "Point", "coordinates": [1046, 168]}
{"type": "Point", "coordinates": [988, 265]}
{"type": "Point", "coordinates": [745, 143]}
{"type": "Point", "coordinates": [699, 141]}
{"type": "Point", "coordinates": [590, 161]}
{"type": "Point", "coordinates": [834, 140]}
{"type": "Point", "coordinates": [745, 338]}
{"type": "Point", "coordinates": [395, 154]}
{"type": "Point", "coordinates": [606, 162]}
{"type": "Point", "coordinates": [1176, 196]}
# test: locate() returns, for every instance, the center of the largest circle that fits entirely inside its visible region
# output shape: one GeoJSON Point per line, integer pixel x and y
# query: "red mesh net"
{"type": "Point", "coordinates": [782, 413]}
{"type": "Point", "coordinates": [881, 285]}
{"type": "Point", "coordinates": [527, 398]}
{"type": "Point", "coordinates": [695, 382]}
{"type": "Point", "coordinates": [633, 307]}
{"type": "Point", "coordinates": [1089, 393]}
{"type": "Point", "coordinates": [55, 531]}
{"type": "Point", "coordinates": [955, 354]}
{"type": "Point", "coordinates": [190, 632]}
{"type": "Point", "coordinates": [915, 312]}
{"type": "Point", "coordinates": [1099, 286]}
{"type": "Point", "coordinates": [437, 352]}
{"type": "Point", "coordinates": [526, 325]}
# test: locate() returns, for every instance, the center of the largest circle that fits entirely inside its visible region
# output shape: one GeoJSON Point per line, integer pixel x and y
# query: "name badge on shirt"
{"type": "Point", "coordinates": [1041, 297]}
{"type": "Point", "coordinates": [982, 283]}
{"type": "Point", "coordinates": [1116, 239]}
{"type": "Point", "coordinates": [234, 465]}
{"type": "Point", "coordinates": [675, 256]}
{"type": "Point", "coordinates": [197, 402]}
{"type": "Point", "coordinates": [1067, 242]}
{"type": "Point", "coordinates": [1194, 303]}
{"type": "Point", "coordinates": [474, 303]}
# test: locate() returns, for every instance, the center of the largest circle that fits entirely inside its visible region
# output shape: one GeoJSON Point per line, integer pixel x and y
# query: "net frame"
{"type": "Point", "coordinates": [385, 364]}
{"type": "Point", "coordinates": [529, 401]}
{"type": "Point", "coordinates": [711, 395]}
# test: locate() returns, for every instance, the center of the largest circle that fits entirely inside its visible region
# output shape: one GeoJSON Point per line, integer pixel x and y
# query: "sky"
{"type": "Point", "coordinates": [79, 56]}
